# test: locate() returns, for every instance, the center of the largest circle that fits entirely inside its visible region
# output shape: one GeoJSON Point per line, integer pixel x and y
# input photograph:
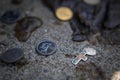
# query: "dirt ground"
{"type": "Point", "coordinates": [57, 66]}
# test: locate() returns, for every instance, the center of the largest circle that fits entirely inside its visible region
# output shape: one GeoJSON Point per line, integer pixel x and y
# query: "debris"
{"type": "Point", "coordinates": [26, 26]}
{"type": "Point", "coordinates": [81, 56]}
{"type": "Point", "coordinates": [46, 48]}
{"type": "Point", "coordinates": [12, 55]}
{"type": "Point", "coordinates": [64, 13]}
{"type": "Point", "coordinates": [10, 17]}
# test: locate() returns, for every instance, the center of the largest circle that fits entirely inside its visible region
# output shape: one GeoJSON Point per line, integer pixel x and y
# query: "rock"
{"type": "Point", "coordinates": [12, 55]}
{"type": "Point", "coordinates": [25, 27]}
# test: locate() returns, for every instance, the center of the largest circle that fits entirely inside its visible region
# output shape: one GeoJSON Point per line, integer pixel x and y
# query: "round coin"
{"type": "Point", "coordinates": [64, 13]}
{"type": "Point", "coordinates": [46, 48]}
{"type": "Point", "coordinates": [12, 55]}
{"type": "Point", "coordinates": [10, 17]}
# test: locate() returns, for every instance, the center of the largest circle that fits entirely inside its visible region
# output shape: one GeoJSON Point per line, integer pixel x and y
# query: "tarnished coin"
{"type": "Point", "coordinates": [12, 55]}
{"type": "Point", "coordinates": [10, 17]}
{"type": "Point", "coordinates": [89, 51]}
{"type": "Point", "coordinates": [46, 48]}
{"type": "Point", "coordinates": [64, 13]}
{"type": "Point", "coordinates": [92, 2]}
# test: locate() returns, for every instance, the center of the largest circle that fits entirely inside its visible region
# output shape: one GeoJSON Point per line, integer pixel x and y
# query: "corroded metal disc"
{"type": "Point", "coordinates": [10, 17]}
{"type": "Point", "coordinates": [12, 55]}
{"type": "Point", "coordinates": [46, 48]}
{"type": "Point", "coordinates": [64, 13]}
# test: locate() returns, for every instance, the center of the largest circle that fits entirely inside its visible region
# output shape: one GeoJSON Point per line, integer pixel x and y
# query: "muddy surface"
{"type": "Point", "coordinates": [59, 65]}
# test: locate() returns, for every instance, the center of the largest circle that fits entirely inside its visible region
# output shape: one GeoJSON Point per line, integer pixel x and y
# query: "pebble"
{"type": "Point", "coordinates": [12, 55]}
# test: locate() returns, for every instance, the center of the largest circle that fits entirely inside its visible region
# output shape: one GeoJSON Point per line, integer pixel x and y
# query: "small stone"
{"type": "Point", "coordinates": [12, 55]}
{"type": "Point", "coordinates": [92, 2]}
{"type": "Point", "coordinates": [25, 27]}
{"type": "Point", "coordinates": [46, 48]}
{"type": "Point", "coordinates": [10, 17]}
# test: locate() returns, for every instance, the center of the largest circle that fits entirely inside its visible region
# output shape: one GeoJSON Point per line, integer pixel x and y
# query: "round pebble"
{"type": "Point", "coordinates": [90, 51]}
{"type": "Point", "coordinates": [46, 48]}
{"type": "Point", "coordinates": [10, 17]}
{"type": "Point", "coordinates": [92, 2]}
{"type": "Point", "coordinates": [12, 55]}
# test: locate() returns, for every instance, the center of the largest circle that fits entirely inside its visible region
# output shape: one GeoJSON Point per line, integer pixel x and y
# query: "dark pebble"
{"type": "Point", "coordinates": [12, 55]}
{"type": "Point", "coordinates": [10, 17]}
{"type": "Point", "coordinates": [46, 48]}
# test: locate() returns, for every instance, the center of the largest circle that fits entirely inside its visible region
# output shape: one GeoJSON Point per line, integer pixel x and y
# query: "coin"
{"type": "Point", "coordinates": [46, 48]}
{"type": "Point", "coordinates": [12, 55]}
{"type": "Point", "coordinates": [92, 2]}
{"type": "Point", "coordinates": [10, 17]}
{"type": "Point", "coordinates": [64, 13]}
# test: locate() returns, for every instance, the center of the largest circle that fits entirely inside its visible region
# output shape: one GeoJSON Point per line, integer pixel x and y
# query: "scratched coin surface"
{"type": "Point", "coordinates": [46, 48]}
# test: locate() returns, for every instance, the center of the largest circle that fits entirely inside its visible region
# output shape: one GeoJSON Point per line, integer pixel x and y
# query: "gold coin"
{"type": "Point", "coordinates": [92, 2]}
{"type": "Point", "coordinates": [64, 13]}
{"type": "Point", "coordinates": [116, 76]}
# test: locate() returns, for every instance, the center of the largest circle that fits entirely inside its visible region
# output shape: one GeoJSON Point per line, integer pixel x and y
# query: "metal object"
{"type": "Point", "coordinates": [82, 55]}
{"type": "Point", "coordinates": [46, 48]}
{"type": "Point", "coordinates": [64, 13]}
{"type": "Point", "coordinates": [12, 55]}
{"type": "Point", "coordinates": [10, 17]}
{"type": "Point", "coordinates": [79, 58]}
